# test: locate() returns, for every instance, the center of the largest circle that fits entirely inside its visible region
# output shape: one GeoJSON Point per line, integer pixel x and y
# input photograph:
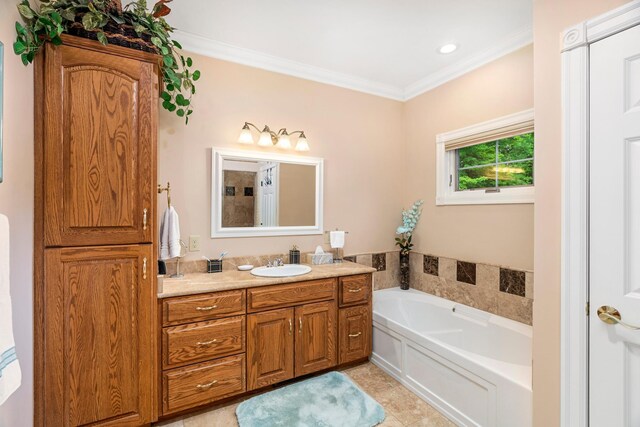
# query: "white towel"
{"type": "Point", "coordinates": [170, 235]}
{"type": "Point", "coordinates": [10, 375]}
{"type": "Point", "coordinates": [337, 239]}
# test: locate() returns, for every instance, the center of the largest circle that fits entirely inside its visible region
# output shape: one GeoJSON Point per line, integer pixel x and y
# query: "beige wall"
{"type": "Point", "coordinates": [354, 132]}
{"type": "Point", "coordinates": [16, 201]}
{"type": "Point", "coordinates": [297, 195]}
{"type": "Point", "coordinates": [492, 234]}
{"type": "Point", "coordinates": [551, 17]}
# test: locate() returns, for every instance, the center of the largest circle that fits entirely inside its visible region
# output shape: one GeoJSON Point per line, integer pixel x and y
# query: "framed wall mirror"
{"type": "Point", "coordinates": [1, 102]}
{"type": "Point", "coordinates": [265, 194]}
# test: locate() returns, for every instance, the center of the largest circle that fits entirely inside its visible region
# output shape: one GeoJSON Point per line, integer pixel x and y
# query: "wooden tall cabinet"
{"type": "Point", "coordinates": [95, 232]}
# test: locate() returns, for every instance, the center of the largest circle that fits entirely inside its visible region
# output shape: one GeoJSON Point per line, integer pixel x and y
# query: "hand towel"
{"type": "Point", "coordinates": [337, 239]}
{"type": "Point", "coordinates": [10, 374]}
{"type": "Point", "coordinates": [170, 235]}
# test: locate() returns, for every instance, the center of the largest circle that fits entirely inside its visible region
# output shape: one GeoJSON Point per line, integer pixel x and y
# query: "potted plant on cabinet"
{"type": "Point", "coordinates": [410, 219]}
{"type": "Point", "coordinates": [107, 21]}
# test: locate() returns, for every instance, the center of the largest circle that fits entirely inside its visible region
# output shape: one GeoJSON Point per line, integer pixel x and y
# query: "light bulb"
{"type": "Point", "coordinates": [245, 136]}
{"type": "Point", "coordinates": [302, 144]}
{"type": "Point", "coordinates": [284, 142]}
{"type": "Point", "coordinates": [448, 48]}
{"type": "Point", "coordinates": [265, 139]}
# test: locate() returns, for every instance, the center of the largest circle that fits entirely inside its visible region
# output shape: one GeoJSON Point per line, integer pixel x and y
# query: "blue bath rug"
{"type": "Point", "coordinates": [330, 400]}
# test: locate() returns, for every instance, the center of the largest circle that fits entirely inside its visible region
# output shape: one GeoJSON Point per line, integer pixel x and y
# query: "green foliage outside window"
{"type": "Point", "coordinates": [506, 162]}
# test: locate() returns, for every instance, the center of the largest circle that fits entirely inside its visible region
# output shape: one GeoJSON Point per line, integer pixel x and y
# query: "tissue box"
{"type": "Point", "coordinates": [320, 259]}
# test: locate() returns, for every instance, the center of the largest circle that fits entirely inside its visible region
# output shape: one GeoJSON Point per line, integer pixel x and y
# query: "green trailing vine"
{"type": "Point", "coordinates": [105, 20]}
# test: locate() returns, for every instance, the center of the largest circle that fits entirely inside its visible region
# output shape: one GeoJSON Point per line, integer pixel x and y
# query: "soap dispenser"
{"type": "Point", "coordinates": [294, 255]}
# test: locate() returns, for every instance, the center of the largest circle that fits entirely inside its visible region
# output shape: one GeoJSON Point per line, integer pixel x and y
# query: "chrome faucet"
{"type": "Point", "coordinates": [275, 263]}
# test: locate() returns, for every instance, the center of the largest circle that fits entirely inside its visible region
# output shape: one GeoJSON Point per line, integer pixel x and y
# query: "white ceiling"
{"type": "Point", "coordinates": [386, 47]}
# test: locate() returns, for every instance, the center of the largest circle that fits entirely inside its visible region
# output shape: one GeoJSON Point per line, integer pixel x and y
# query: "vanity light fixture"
{"type": "Point", "coordinates": [269, 138]}
{"type": "Point", "coordinates": [448, 48]}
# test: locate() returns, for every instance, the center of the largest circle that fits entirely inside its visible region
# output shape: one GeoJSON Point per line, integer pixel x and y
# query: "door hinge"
{"type": "Point", "coordinates": [587, 308]}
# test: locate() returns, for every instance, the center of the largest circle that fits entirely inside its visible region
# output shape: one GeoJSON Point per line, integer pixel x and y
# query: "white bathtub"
{"type": "Point", "coordinates": [474, 367]}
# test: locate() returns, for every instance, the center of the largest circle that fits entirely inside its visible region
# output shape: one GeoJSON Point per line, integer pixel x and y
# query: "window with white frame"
{"type": "Point", "coordinates": [487, 163]}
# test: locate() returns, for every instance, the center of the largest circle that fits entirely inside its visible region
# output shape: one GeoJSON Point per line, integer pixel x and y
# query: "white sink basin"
{"type": "Point", "coordinates": [286, 270]}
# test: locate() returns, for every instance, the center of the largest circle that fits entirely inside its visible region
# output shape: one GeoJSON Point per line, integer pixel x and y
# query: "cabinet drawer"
{"type": "Point", "coordinates": [288, 295]}
{"type": "Point", "coordinates": [202, 307]}
{"type": "Point", "coordinates": [197, 342]}
{"type": "Point", "coordinates": [196, 385]}
{"type": "Point", "coordinates": [355, 289]}
{"type": "Point", "coordinates": [355, 330]}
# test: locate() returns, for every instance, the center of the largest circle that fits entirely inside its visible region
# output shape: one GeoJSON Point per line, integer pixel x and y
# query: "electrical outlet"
{"type": "Point", "coordinates": [327, 238]}
{"type": "Point", "coordinates": [194, 243]}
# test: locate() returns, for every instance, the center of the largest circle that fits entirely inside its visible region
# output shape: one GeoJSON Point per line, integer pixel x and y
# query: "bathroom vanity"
{"type": "Point", "coordinates": [227, 334]}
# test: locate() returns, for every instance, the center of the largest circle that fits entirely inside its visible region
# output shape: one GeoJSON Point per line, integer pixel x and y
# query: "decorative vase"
{"type": "Point", "coordinates": [404, 271]}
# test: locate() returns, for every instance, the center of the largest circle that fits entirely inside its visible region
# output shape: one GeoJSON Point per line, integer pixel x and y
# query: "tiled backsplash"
{"type": "Point", "coordinates": [498, 290]}
{"type": "Point", "coordinates": [387, 265]}
{"type": "Point", "coordinates": [200, 266]}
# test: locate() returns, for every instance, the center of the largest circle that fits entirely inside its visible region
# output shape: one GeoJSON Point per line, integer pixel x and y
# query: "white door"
{"type": "Point", "coordinates": [269, 195]}
{"type": "Point", "coordinates": [614, 241]}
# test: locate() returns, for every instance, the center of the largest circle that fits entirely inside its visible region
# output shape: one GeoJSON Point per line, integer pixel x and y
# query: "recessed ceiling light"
{"type": "Point", "coordinates": [448, 48]}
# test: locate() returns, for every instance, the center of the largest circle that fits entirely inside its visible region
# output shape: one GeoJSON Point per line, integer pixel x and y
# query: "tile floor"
{"type": "Point", "coordinates": [402, 407]}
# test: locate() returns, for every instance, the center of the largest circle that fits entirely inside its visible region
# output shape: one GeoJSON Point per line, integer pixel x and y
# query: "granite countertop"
{"type": "Point", "coordinates": [198, 283]}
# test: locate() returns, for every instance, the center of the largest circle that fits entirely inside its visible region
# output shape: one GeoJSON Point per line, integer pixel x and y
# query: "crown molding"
{"type": "Point", "coordinates": [227, 52]}
{"type": "Point", "coordinates": [511, 44]}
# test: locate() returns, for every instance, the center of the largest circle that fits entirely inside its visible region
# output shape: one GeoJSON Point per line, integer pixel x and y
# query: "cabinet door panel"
{"type": "Point", "coordinates": [269, 347]}
{"type": "Point", "coordinates": [99, 148]}
{"type": "Point", "coordinates": [355, 333]}
{"type": "Point", "coordinates": [316, 337]}
{"type": "Point", "coordinates": [99, 340]}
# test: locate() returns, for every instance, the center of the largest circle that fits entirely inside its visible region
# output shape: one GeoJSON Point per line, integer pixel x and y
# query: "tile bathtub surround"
{"type": "Point", "coordinates": [512, 282]}
{"type": "Point", "coordinates": [390, 276]}
{"type": "Point", "coordinates": [382, 279]}
{"type": "Point", "coordinates": [466, 272]}
{"type": "Point", "coordinates": [430, 265]}
{"type": "Point", "coordinates": [497, 290]}
{"type": "Point", "coordinates": [379, 261]}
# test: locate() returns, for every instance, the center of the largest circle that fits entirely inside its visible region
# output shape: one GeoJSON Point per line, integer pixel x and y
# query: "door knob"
{"type": "Point", "coordinates": [611, 316]}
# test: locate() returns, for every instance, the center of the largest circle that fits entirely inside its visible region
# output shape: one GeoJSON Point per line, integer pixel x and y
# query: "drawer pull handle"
{"type": "Point", "coordinates": [208, 308]}
{"type": "Point", "coordinates": [204, 343]}
{"type": "Point", "coordinates": [354, 290]}
{"type": "Point", "coordinates": [207, 385]}
{"type": "Point", "coordinates": [300, 322]}
{"type": "Point", "coordinates": [355, 335]}
{"type": "Point", "coordinates": [290, 326]}
{"type": "Point", "coordinates": [144, 268]}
